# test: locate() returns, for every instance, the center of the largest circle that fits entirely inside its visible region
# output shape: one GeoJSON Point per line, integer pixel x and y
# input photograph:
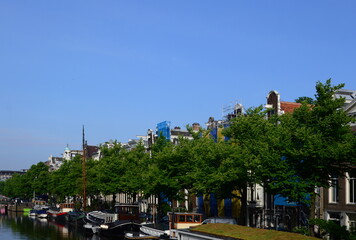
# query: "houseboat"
{"type": "Point", "coordinates": [94, 219]}
{"type": "Point", "coordinates": [60, 212]}
{"type": "Point", "coordinates": [177, 220]}
{"type": "Point", "coordinates": [127, 219]}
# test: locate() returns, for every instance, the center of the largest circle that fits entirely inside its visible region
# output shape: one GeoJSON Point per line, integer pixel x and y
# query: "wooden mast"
{"type": "Point", "coordinates": [84, 173]}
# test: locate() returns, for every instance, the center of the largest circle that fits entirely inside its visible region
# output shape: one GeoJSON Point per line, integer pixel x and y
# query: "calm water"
{"type": "Point", "coordinates": [17, 226]}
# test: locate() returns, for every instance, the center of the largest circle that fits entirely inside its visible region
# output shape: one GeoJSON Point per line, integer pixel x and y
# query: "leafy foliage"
{"type": "Point", "coordinates": [318, 141]}
{"type": "Point", "coordinates": [167, 169]}
{"type": "Point", "coordinates": [332, 229]}
{"type": "Point", "coordinates": [135, 162]}
{"type": "Point", "coordinates": [38, 177]}
{"type": "Point", "coordinates": [304, 99]}
{"type": "Point", "coordinates": [218, 168]}
{"type": "Point", "coordinates": [111, 169]}
{"type": "Point", "coordinates": [258, 141]}
{"type": "Point", "coordinates": [67, 181]}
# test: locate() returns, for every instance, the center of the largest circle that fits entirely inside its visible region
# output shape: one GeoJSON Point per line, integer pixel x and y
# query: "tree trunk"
{"type": "Point", "coordinates": [113, 200]}
{"type": "Point", "coordinates": [242, 220]}
{"type": "Point", "coordinates": [134, 198]}
{"type": "Point", "coordinates": [160, 208]}
{"type": "Point", "coordinates": [312, 214]}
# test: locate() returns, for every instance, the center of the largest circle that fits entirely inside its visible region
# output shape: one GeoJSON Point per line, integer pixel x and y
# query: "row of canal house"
{"type": "Point", "coordinates": [338, 203]}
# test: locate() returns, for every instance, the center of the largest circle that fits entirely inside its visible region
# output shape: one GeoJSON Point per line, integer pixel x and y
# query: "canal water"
{"type": "Point", "coordinates": [20, 227]}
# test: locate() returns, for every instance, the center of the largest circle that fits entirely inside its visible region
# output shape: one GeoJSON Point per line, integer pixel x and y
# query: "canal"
{"type": "Point", "coordinates": [20, 227]}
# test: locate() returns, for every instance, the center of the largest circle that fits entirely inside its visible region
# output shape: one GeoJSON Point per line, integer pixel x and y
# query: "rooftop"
{"type": "Point", "coordinates": [289, 107]}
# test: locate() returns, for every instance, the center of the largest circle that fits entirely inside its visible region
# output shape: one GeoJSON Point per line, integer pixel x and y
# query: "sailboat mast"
{"type": "Point", "coordinates": [84, 173]}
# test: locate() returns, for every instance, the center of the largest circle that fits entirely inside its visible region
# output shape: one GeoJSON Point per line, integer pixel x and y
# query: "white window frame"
{"type": "Point", "coordinates": [350, 186]}
{"type": "Point", "coordinates": [334, 190]}
{"type": "Point", "coordinates": [338, 219]}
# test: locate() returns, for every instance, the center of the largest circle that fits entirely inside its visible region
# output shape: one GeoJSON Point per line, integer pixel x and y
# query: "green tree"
{"type": "Point", "coordinates": [294, 153]}
{"type": "Point", "coordinates": [331, 230]}
{"type": "Point", "coordinates": [93, 188]}
{"type": "Point", "coordinates": [163, 172]}
{"type": "Point", "coordinates": [169, 171]}
{"type": "Point", "coordinates": [2, 186]}
{"type": "Point", "coordinates": [67, 180]}
{"type": "Point", "coordinates": [111, 168]}
{"type": "Point", "coordinates": [38, 176]}
{"type": "Point", "coordinates": [318, 141]}
{"type": "Point", "coordinates": [197, 166]}
{"type": "Point", "coordinates": [17, 186]}
{"type": "Point", "coordinates": [304, 99]}
{"type": "Point", "coordinates": [257, 154]}
{"type": "Point", "coordinates": [216, 167]}
{"type": "Point", "coordinates": [34, 181]}
{"type": "Point", "coordinates": [258, 142]}
{"type": "Point", "coordinates": [135, 162]}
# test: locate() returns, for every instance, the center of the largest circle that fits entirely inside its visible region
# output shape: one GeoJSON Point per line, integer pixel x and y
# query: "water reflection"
{"type": "Point", "coordinates": [18, 226]}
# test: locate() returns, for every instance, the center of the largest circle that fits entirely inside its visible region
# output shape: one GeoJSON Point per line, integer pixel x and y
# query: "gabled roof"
{"type": "Point", "coordinates": [91, 150]}
{"type": "Point", "coordinates": [289, 107]}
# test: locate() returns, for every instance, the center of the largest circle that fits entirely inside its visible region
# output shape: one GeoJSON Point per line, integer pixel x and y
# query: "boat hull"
{"type": "Point", "coordinates": [90, 229]}
{"type": "Point", "coordinates": [119, 228]}
{"type": "Point", "coordinates": [138, 236]}
{"type": "Point", "coordinates": [57, 216]}
{"type": "Point", "coordinates": [42, 215]}
{"type": "Point", "coordinates": [75, 217]}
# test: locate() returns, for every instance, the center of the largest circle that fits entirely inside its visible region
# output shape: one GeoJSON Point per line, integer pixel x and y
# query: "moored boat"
{"type": "Point", "coordinates": [75, 218]}
{"type": "Point", "coordinates": [3, 210]}
{"type": "Point", "coordinates": [58, 214]}
{"type": "Point", "coordinates": [39, 209]}
{"type": "Point", "coordinates": [138, 236]}
{"type": "Point", "coordinates": [127, 220]}
{"type": "Point", "coordinates": [40, 213]}
{"type": "Point", "coordinates": [94, 219]}
{"type": "Point", "coordinates": [177, 221]}
{"type": "Point", "coordinates": [119, 228]}
{"type": "Point", "coordinates": [33, 213]}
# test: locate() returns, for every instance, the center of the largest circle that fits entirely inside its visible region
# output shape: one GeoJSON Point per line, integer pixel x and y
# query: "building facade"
{"type": "Point", "coordinates": [6, 174]}
{"type": "Point", "coordinates": [339, 201]}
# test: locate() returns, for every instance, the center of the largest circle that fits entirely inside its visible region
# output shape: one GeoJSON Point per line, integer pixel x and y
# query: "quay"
{"type": "Point", "coordinates": [189, 235]}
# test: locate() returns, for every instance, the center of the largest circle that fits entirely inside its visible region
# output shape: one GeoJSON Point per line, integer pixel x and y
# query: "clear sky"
{"type": "Point", "coordinates": [120, 67]}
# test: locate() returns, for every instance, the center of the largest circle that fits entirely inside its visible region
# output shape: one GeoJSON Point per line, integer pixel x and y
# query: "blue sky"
{"type": "Point", "coordinates": [120, 67]}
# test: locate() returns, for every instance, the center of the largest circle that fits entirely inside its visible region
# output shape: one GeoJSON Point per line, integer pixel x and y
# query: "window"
{"type": "Point", "coordinates": [334, 189]}
{"type": "Point", "coordinates": [352, 221]}
{"type": "Point", "coordinates": [197, 218]}
{"type": "Point", "coordinates": [351, 187]}
{"type": "Point", "coordinates": [335, 217]}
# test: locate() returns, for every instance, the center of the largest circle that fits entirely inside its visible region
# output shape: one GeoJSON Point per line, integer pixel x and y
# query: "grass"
{"type": "Point", "coordinates": [248, 233]}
